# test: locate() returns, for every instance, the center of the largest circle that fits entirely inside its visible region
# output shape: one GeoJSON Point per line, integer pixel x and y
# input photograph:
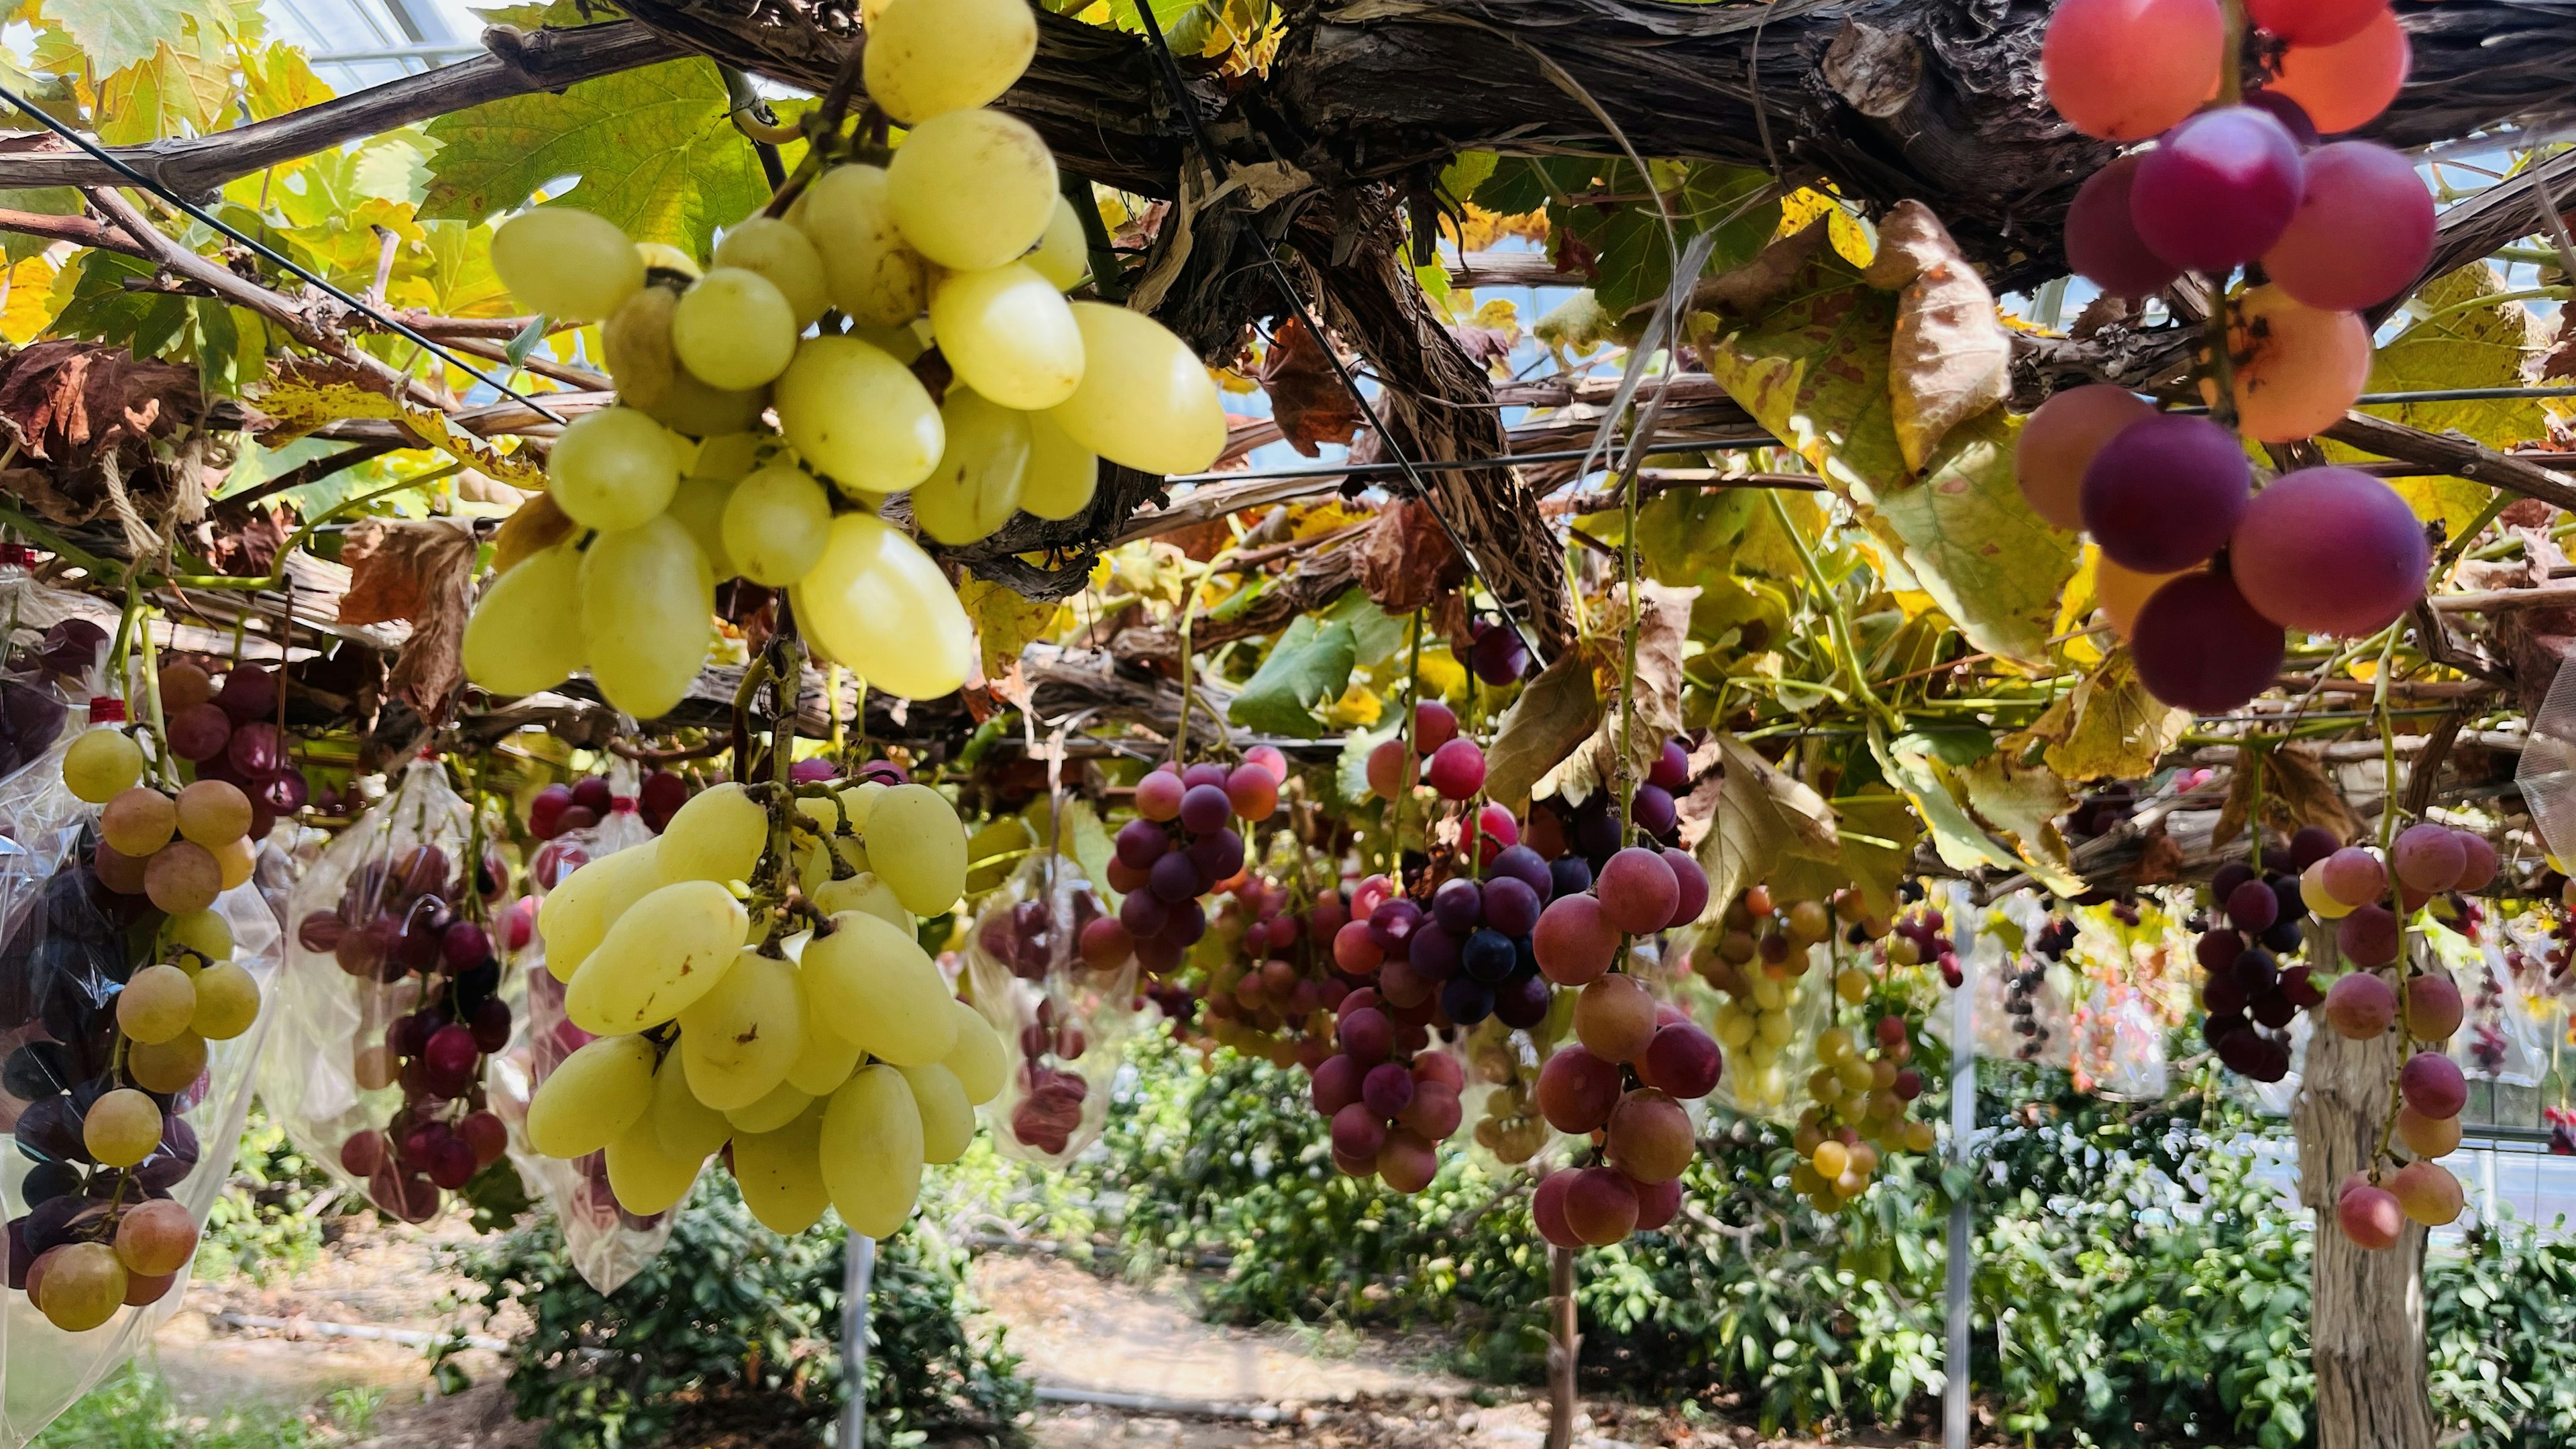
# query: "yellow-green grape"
{"type": "Point", "coordinates": [664, 257]}
{"type": "Point", "coordinates": [84, 1285]}
{"type": "Point", "coordinates": [1063, 474]}
{"type": "Point", "coordinates": [101, 763]}
{"type": "Point", "coordinates": [876, 987]}
{"type": "Point", "coordinates": [577, 913]}
{"type": "Point", "coordinates": [158, 1003]}
{"type": "Point", "coordinates": [727, 457]}
{"type": "Point", "coordinates": [1145, 400]}
{"type": "Point", "coordinates": [686, 1125]}
{"type": "Point", "coordinates": [825, 1059]}
{"type": "Point", "coordinates": [227, 1002]}
{"type": "Point", "coordinates": [734, 329]}
{"type": "Point", "coordinates": [858, 417]}
{"type": "Point", "coordinates": [866, 891]}
{"type": "Point", "coordinates": [976, 487]}
{"type": "Point", "coordinates": [598, 1092]}
{"type": "Point", "coordinates": [947, 1118]}
{"type": "Point", "coordinates": [1009, 334]}
{"type": "Point", "coordinates": [717, 836]}
{"type": "Point", "coordinates": [919, 847]}
{"type": "Point", "coordinates": [645, 1176]}
{"type": "Point", "coordinates": [668, 950]}
{"type": "Point", "coordinates": [646, 598]}
{"type": "Point", "coordinates": [699, 505]}
{"type": "Point", "coordinates": [972, 190]}
{"type": "Point", "coordinates": [203, 932]}
{"type": "Point", "coordinates": [567, 263]}
{"type": "Point", "coordinates": [780, 253]}
{"type": "Point", "coordinates": [772, 1112]}
{"type": "Point", "coordinates": [138, 821]}
{"type": "Point", "coordinates": [875, 602]}
{"type": "Point", "coordinates": [613, 469]}
{"type": "Point", "coordinates": [234, 861]}
{"type": "Point", "coordinates": [739, 1039]}
{"type": "Point", "coordinates": [873, 276]}
{"type": "Point", "coordinates": [978, 1060]}
{"type": "Point", "coordinates": [703, 411]}
{"type": "Point", "coordinates": [1063, 256]}
{"type": "Point", "coordinates": [946, 55]}
{"type": "Point", "coordinates": [781, 1172]}
{"type": "Point", "coordinates": [775, 523]}
{"type": "Point", "coordinates": [525, 633]}
{"type": "Point", "coordinates": [872, 1151]}
{"type": "Point", "coordinates": [167, 1066]}
{"type": "Point", "coordinates": [121, 1128]}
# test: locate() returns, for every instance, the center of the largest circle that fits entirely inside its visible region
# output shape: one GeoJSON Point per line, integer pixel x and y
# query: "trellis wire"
{"type": "Point", "coordinates": [101, 153]}
{"type": "Point", "coordinates": [1171, 69]}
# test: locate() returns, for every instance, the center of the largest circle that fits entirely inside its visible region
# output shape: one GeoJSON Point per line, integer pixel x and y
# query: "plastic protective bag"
{"type": "Point", "coordinates": [2499, 1039]}
{"type": "Point", "coordinates": [49, 657]}
{"type": "Point", "coordinates": [390, 998]}
{"type": "Point", "coordinates": [71, 944]}
{"type": "Point", "coordinates": [2118, 1045]}
{"type": "Point", "coordinates": [1767, 1027]}
{"type": "Point", "coordinates": [607, 1244]}
{"type": "Point", "coordinates": [1065, 1024]}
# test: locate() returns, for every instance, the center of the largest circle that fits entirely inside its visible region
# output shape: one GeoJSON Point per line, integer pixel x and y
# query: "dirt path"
{"type": "Point", "coordinates": [1079, 1336]}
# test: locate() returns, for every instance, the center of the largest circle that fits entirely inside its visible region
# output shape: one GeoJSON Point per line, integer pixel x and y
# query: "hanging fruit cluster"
{"type": "Point", "coordinates": [905, 317]}
{"type": "Point", "coordinates": [828, 1059]}
{"type": "Point", "coordinates": [2201, 572]}
{"type": "Point", "coordinates": [129, 973]}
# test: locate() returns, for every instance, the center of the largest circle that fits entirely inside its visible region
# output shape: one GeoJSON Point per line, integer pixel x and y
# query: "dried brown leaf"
{"type": "Point", "coordinates": [1758, 816]}
{"type": "Point", "coordinates": [2296, 791]}
{"type": "Point", "coordinates": [1406, 561]}
{"type": "Point", "coordinates": [83, 417]}
{"type": "Point", "coordinates": [416, 570]}
{"type": "Point", "coordinates": [1306, 396]}
{"type": "Point", "coordinates": [1555, 713]}
{"type": "Point", "coordinates": [2160, 859]}
{"type": "Point", "coordinates": [1748, 287]}
{"type": "Point", "coordinates": [1950, 359]}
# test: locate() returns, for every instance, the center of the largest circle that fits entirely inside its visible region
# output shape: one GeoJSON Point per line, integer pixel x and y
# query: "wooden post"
{"type": "Point", "coordinates": [2367, 1328]}
{"type": "Point", "coordinates": [1562, 1350]}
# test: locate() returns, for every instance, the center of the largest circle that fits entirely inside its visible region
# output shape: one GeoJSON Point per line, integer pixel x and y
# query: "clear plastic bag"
{"type": "Point", "coordinates": [2118, 1045]}
{"type": "Point", "coordinates": [2499, 1039]}
{"type": "Point", "coordinates": [607, 1244]}
{"type": "Point", "coordinates": [390, 998]}
{"type": "Point", "coordinates": [1767, 1061]}
{"type": "Point", "coordinates": [71, 944]}
{"type": "Point", "coordinates": [1065, 1024]}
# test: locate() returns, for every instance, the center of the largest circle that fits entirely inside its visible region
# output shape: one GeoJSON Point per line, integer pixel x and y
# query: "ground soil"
{"type": "Point", "coordinates": [1080, 1336]}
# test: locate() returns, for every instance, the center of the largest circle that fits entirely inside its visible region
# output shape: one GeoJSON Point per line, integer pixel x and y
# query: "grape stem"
{"type": "Point", "coordinates": [2231, 74]}
{"type": "Point", "coordinates": [1837, 616]}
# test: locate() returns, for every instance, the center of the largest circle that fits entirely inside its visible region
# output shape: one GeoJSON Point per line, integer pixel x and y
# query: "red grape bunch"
{"type": "Point", "coordinates": [1274, 996]}
{"type": "Point", "coordinates": [1032, 932]}
{"type": "Point", "coordinates": [228, 729]}
{"type": "Point", "coordinates": [2203, 574]}
{"type": "Point", "coordinates": [2249, 992]}
{"type": "Point", "coordinates": [1181, 846]}
{"type": "Point", "coordinates": [410, 924]}
{"type": "Point", "coordinates": [559, 809]}
{"type": "Point", "coordinates": [2372, 1206]}
{"type": "Point", "coordinates": [42, 675]}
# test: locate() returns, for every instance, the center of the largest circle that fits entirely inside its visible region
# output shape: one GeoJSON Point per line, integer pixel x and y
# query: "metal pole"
{"type": "Point", "coordinates": [859, 1267]}
{"type": "Point", "coordinates": [1963, 1127]}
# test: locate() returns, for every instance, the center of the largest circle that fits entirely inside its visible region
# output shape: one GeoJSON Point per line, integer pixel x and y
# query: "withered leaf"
{"type": "Point", "coordinates": [1758, 816]}
{"type": "Point", "coordinates": [1405, 560]}
{"type": "Point", "coordinates": [1555, 713]}
{"type": "Point", "coordinates": [83, 417]}
{"type": "Point", "coordinates": [1949, 360]}
{"type": "Point", "coordinates": [538, 525]}
{"type": "Point", "coordinates": [1750, 287]}
{"type": "Point", "coordinates": [416, 570]}
{"type": "Point", "coordinates": [1312, 406]}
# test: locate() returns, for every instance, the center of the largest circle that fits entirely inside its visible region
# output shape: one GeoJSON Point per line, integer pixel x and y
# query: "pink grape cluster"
{"type": "Point", "coordinates": [1274, 999]}
{"type": "Point", "coordinates": [1622, 1085]}
{"type": "Point", "coordinates": [1181, 845]}
{"type": "Point", "coordinates": [1047, 1116]}
{"type": "Point", "coordinates": [1390, 1100]}
{"type": "Point", "coordinates": [225, 728]}
{"type": "Point", "coordinates": [404, 922]}
{"type": "Point", "coordinates": [1437, 755]}
{"type": "Point", "coordinates": [2204, 575]}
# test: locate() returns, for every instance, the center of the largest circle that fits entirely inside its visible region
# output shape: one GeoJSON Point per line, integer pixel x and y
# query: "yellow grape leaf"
{"type": "Point", "coordinates": [30, 304]}
{"type": "Point", "coordinates": [2110, 727]}
{"type": "Point", "coordinates": [1878, 832]}
{"type": "Point", "coordinates": [1910, 765]}
{"type": "Point", "coordinates": [1843, 232]}
{"type": "Point", "coordinates": [1005, 623]}
{"type": "Point", "coordinates": [299, 400]}
{"type": "Point", "coordinates": [2478, 346]}
{"type": "Point", "coordinates": [1997, 569]}
{"type": "Point", "coordinates": [1948, 360]}
{"type": "Point", "coordinates": [171, 92]}
{"type": "Point", "coordinates": [2023, 802]}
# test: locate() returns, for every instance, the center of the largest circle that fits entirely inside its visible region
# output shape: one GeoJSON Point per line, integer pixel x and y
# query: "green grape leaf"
{"type": "Point", "coordinates": [652, 147]}
{"type": "Point", "coordinates": [45, 201]}
{"type": "Point", "coordinates": [1996, 568]}
{"type": "Point", "coordinates": [115, 34]}
{"type": "Point", "coordinates": [1878, 832]}
{"type": "Point", "coordinates": [1912, 765]}
{"type": "Point", "coordinates": [1308, 668]}
{"type": "Point", "coordinates": [2023, 802]}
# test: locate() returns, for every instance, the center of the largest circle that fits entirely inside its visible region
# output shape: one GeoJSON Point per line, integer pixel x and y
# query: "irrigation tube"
{"type": "Point", "coordinates": [1963, 1128]}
